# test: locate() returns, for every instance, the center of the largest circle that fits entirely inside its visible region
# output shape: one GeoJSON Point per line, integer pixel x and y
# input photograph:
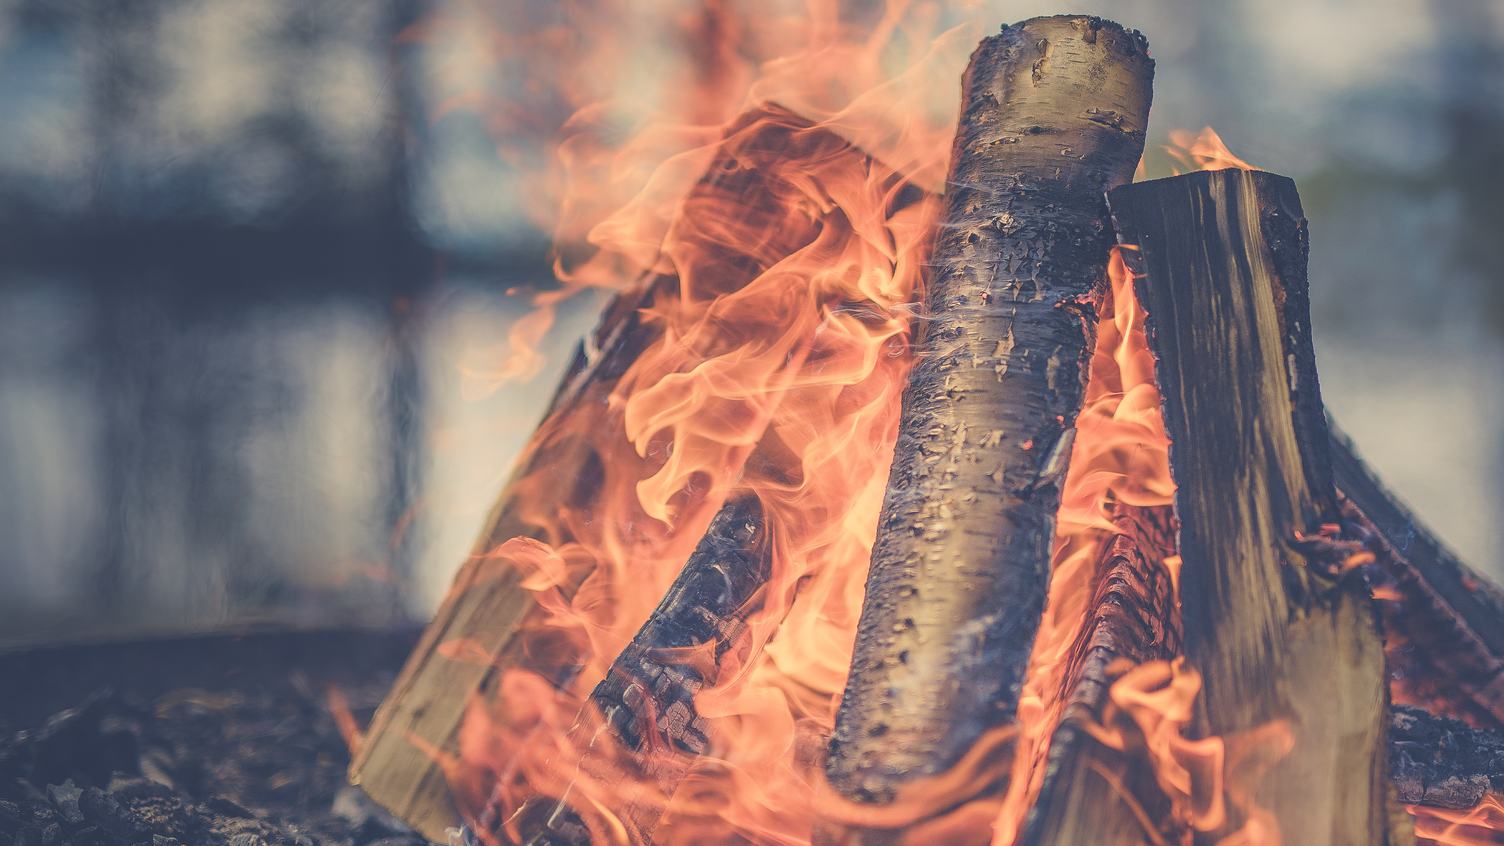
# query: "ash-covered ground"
{"type": "Point", "coordinates": [223, 740]}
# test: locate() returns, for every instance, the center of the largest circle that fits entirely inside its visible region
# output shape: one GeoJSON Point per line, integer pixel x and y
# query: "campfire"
{"type": "Point", "coordinates": [894, 501]}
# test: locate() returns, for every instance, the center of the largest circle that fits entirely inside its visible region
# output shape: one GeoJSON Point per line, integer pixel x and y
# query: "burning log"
{"type": "Point", "coordinates": [1133, 620]}
{"type": "Point", "coordinates": [646, 701]}
{"type": "Point", "coordinates": [1443, 623]}
{"type": "Point", "coordinates": [486, 607]}
{"type": "Point", "coordinates": [1285, 640]}
{"type": "Point", "coordinates": [1053, 115]}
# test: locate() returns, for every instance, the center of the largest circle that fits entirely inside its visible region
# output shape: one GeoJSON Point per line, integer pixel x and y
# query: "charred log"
{"type": "Point", "coordinates": [1441, 762]}
{"type": "Point", "coordinates": [1443, 622]}
{"type": "Point", "coordinates": [1285, 639]}
{"type": "Point", "coordinates": [646, 701]}
{"type": "Point", "coordinates": [1134, 620]}
{"type": "Point", "coordinates": [1053, 115]}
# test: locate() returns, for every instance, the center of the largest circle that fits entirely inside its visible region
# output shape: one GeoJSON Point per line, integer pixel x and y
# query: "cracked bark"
{"type": "Point", "coordinates": [1053, 115]}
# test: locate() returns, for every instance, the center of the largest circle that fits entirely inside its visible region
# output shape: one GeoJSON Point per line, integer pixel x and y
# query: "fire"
{"type": "Point", "coordinates": [1203, 151]}
{"type": "Point", "coordinates": [1479, 826]}
{"type": "Point", "coordinates": [1120, 457]}
{"type": "Point", "coordinates": [781, 209]}
{"type": "Point", "coordinates": [789, 277]}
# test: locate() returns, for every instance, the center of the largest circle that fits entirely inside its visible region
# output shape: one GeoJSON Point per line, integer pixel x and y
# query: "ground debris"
{"type": "Point", "coordinates": [260, 764]}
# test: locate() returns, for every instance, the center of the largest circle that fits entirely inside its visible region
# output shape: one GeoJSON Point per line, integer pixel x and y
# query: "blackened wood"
{"type": "Point", "coordinates": [1053, 115]}
{"type": "Point", "coordinates": [487, 608]}
{"type": "Point", "coordinates": [1132, 618]}
{"type": "Point", "coordinates": [1276, 629]}
{"type": "Point", "coordinates": [1443, 622]}
{"type": "Point", "coordinates": [1441, 762]}
{"type": "Point", "coordinates": [646, 701]}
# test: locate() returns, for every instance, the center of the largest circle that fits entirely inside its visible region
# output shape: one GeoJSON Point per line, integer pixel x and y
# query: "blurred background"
{"type": "Point", "coordinates": [258, 259]}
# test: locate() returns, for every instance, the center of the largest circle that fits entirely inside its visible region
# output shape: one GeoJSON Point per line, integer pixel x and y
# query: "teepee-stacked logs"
{"type": "Point", "coordinates": [1284, 637]}
{"type": "Point", "coordinates": [1053, 115]}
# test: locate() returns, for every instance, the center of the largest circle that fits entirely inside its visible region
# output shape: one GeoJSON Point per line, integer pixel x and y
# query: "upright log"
{"type": "Point", "coordinates": [1053, 115]}
{"type": "Point", "coordinates": [486, 608]}
{"type": "Point", "coordinates": [1283, 638]}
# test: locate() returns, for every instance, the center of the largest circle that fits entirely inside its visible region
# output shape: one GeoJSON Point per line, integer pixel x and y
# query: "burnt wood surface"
{"type": "Point", "coordinates": [1053, 114]}
{"type": "Point", "coordinates": [1443, 622]}
{"type": "Point", "coordinates": [1133, 619]}
{"type": "Point", "coordinates": [646, 701]}
{"type": "Point", "coordinates": [1282, 636]}
{"type": "Point", "coordinates": [1442, 762]}
{"type": "Point", "coordinates": [487, 608]}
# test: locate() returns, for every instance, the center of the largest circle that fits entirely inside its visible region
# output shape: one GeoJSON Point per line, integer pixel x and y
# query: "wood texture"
{"type": "Point", "coordinates": [1280, 636]}
{"type": "Point", "coordinates": [1089, 791]}
{"type": "Point", "coordinates": [1443, 622]}
{"type": "Point", "coordinates": [1053, 115]}
{"type": "Point", "coordinates": [486, 608]}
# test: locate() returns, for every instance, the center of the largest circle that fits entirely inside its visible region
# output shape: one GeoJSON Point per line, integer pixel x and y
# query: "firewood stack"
{"type": "Point", "coordinates": [1307, 598]}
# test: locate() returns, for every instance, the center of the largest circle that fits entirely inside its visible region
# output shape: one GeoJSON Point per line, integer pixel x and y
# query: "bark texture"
{"type": "Point", "coordinates": [1282, 635]}
{"type": "Point", "coordinates": [1053, 114]}
{"type": "Point", "coordinates": [1443, 622]}
{"type": "Point", "coordinates": [1088, 788]}
{"type": "Point", "coordinates": [487, 608]}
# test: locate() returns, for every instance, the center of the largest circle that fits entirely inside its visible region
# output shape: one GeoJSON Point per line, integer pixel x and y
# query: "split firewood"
{"type": "Point", "coordinates": [1053, 115]}
{"type": "Point", "coordinates": [1088, 787]}
{"type": "Point", "coordinates": [486, 609]}
{"type": "Point", "coordinates": [1283, 635]}
{"type": "Point", "coordinates": [1443, 622]}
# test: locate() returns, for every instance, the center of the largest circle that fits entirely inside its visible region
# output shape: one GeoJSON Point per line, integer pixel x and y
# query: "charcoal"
{"type": "Point", "coordinates": [65, 798]}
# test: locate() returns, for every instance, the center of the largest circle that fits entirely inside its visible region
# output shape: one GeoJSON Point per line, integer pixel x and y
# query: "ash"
{"type": "Point", "coordinates": [216, 741]}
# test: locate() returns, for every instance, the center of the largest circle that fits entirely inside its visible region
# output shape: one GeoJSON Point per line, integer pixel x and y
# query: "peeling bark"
{"type": "Point", "coordinates": [1053, 115]}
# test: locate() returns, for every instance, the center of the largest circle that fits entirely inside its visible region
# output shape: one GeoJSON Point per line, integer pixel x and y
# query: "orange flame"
{"type": "Point", "coordinates": [785, 388]}
{"type": "Point", "coordinates": [1203, 151]}
{"type": "Point", "coordinates": [1120, 455]}
{"type": "Point", "coordinates": [1482, 825]}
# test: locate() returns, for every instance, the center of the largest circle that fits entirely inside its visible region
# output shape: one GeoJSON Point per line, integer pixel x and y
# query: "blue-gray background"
{"type": "Point", "coordinates": [246, 263]}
